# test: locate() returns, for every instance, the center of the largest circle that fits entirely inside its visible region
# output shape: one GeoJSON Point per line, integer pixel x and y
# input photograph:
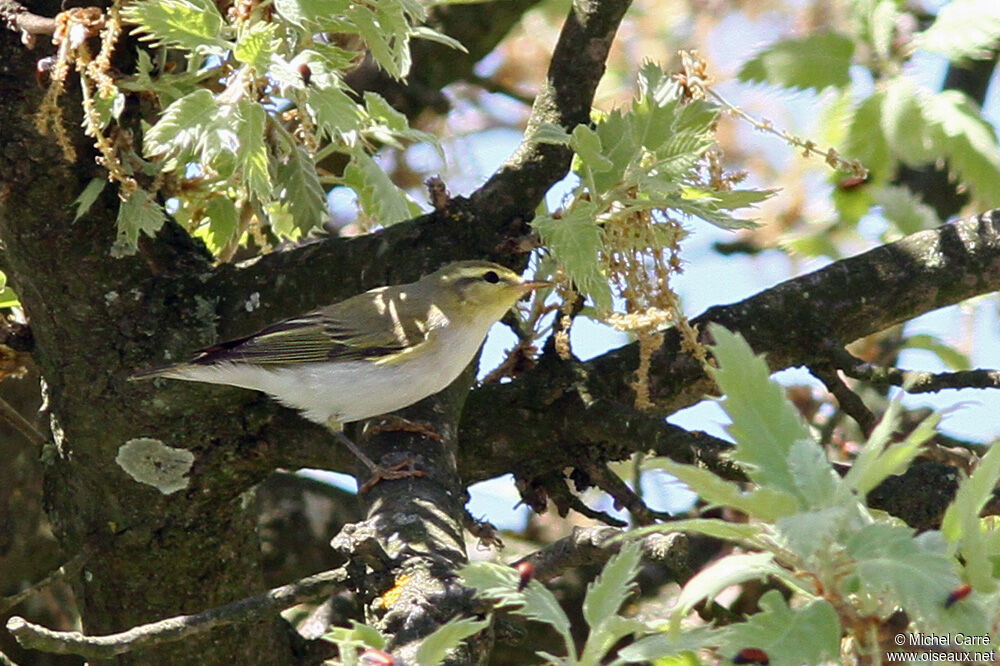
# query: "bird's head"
{"type": "Point", "coordinates": [478, 288]}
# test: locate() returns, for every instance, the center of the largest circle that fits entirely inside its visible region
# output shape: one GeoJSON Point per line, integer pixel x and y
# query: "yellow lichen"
{"type": "Point", "coordinates": [396, 592]}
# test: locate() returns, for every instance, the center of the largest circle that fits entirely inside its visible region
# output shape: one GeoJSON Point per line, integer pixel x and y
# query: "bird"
{"type": "Point", "coordinates": [368, 355]}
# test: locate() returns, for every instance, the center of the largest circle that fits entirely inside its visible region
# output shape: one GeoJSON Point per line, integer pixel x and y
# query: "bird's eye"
{"type": "Point", "coordinates": [491, 277]}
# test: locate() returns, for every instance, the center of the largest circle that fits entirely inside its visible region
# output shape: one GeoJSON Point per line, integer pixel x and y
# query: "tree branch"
{"type": "Point", "coordinates": [34, 637]}
{"type": "Point", "coordinates": [594, 545]}
{"type": "Point", "coordinates": [849, 401]}
{"type": "Point", "coordinates": [915, 381]}
{"type": "Point", "coordinates": [17, 18]}
{"type": "Point", "coordinates": [791, 323]}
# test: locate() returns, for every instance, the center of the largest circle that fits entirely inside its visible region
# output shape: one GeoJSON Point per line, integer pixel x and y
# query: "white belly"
{"type": "Point", "coordinates": [347, 391]}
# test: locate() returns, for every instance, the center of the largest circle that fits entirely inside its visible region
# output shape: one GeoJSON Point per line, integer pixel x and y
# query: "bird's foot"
{"type": "Point", "coordinates": [393, 423]}
{"type": "Point", "coordinates": [403, 470]}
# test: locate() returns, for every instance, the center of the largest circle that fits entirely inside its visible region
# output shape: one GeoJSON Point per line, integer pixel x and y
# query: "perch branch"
{"type": "Point", "coordinates": [34, 637]}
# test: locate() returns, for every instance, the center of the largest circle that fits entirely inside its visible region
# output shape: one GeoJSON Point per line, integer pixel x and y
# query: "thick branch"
{"type": "Point", "coordinates": [791, 323]}
{"type": "Point", "coordinates": [578, 64]}
{"type": "Point", "coordinates": [17, 18]}
{"type": "Point", "coordinates": [34, 637]}
{"type": "Point", "coordinates": [594, 545]}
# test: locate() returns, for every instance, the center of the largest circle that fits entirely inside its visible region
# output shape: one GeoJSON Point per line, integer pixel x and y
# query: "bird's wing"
{"type": "Point", "coordinates": [354, 329]}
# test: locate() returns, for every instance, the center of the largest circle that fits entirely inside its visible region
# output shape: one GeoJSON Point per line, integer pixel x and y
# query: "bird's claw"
{"type": "Point", "coordinates": [403, 470]}
{"type": "Point", "coordinates": [392, 423]}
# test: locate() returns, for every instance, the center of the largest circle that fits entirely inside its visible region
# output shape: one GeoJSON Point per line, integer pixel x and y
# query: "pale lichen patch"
{"type": "Point", "coordinates": [152, 462]}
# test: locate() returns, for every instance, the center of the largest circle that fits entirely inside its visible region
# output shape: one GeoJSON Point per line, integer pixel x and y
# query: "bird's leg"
{"type": "Point", "coordinates": [403, 470]}
{"type": "Point", "coordinates": [394, 423]}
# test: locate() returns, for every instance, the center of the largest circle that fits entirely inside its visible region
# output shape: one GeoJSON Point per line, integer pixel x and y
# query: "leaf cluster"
{"type": "Point", "coordinates": [648, 161]}
{"type": "Point", "coordinates": [898, 122]}
{"type": "Point", "coordinates": [250, 102]}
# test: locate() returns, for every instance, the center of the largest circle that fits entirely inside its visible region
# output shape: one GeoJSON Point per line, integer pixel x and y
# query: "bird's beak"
{"type": "Point", "coordinates": [532, 285]}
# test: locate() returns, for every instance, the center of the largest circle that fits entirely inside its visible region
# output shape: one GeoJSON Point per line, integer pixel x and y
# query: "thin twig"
{"type": "Point", "coordinates": [849, 401]}
{"type": "Point", "coordinates": [35, 637]}
{"type": "Point", "coordinates": [494, 86]}
{"type": "Point", "coordinates": [5, 660]}
{"type": "Point", "coordinates": [624, 496]}
{"type": "Point", "coordinates": [565, 500]}
{"type": "Point", "coordinates": [68, 569]}
{"type": "Point", "coordinates": [914, 381]}
{"type": "Point", "coordinates": [21, 424]}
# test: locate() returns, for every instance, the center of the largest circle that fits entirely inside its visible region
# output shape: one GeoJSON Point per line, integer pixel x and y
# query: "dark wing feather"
{"type": "Point", "coordinates": [321, 335]}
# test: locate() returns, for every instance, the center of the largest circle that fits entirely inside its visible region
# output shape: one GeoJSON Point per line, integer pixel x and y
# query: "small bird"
{"type": "Point", "coordinates": [371, 354]}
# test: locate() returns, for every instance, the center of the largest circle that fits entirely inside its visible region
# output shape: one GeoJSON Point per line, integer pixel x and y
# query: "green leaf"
{"type": "Point", "coordinates": [730, 570]}
{"type": "Point", "coordinates": [817, 62]}
{"type": "Point", "coordinates": [252, 158]}
{"type": "Point", "coordinates": [954, 359]}
{"type": "Point", "coordinates": [349, 640]}
{"type": "Point", "coordinates": [902, 207]}
{"type": "Point", "coordinates": [256, 44]}
{"type": "Point", "coordinates": [389, 125]}
{"type": "Point", "coordinates": [735, 199]}
{"type": "Point", "coordinates": [606, 635]}
{"type": "Point", "coordinates": [501, 584]}
{"type": "Point", "coordinates": [182, 125]}
{"type": "Point", "coordinates": [188, 24]}
{"type": "Point", "coordinates": [814, 476]}
{"type": "Point", "coordinates": [866, 141]}
{"type": "Point", "coordinates": [298, 188]}
{"type": "Point", "coordinates": [961, 526]}
{"type": "Point", "coordinates": [808, 634]}
{"type": "Point", "coordinates": [882, 27]}
{"type": "Point", "coordinates": [576, 241]}
{"type": "Point", "coordinates": [222, 225]}
{"type": "Point", "coordinates": [447, 637]}
{"type": "Point", "coordinates": [333, 111]}
{"type": "Point", "coordinates": [813, 535]}
{"type": "Point", "coordinates": [968, 141]}
{"type": "Point", "coordinates": [720, 529]}
{"type": "Point", "coordinates": [311, 14]}
{"type": "Point", "coordinates": [8, 299]}
{"type": "Point", "coordinates": [587, 145]}
{"type": "Point", "coordinates": [548, 133]}
{"type": "Point", "coordinates": [907, 130]}
{"type": "Point", "coordinates": [764, 503]}
{"type": "Point", "coordinates": [963, 29]}
{"type": "Point", "coordinates": [139, 213]}
{"type": "Point", "coordinates": [614, 584]}
{"type": "Point", "coordinates": [106, 109]}
{"type": "Point", "coordinates": [877, 460]}
{"type": "Point", "coordinates": [658, 646]}
{"type": "Point", "coordinates": [764, 424]}
{"type": "Point", "coordinates": [713, 205]}
{"type": "Point", "coordinates": [892, 566]}
{"type": "Point", "coordinates": [432, 35]}
{"type": "Point", "coordinates": [385, 27]}
{"type": "Point", "coordinates": [380, 198]}
{"type": "Point", "coordinates": [88, 196]}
